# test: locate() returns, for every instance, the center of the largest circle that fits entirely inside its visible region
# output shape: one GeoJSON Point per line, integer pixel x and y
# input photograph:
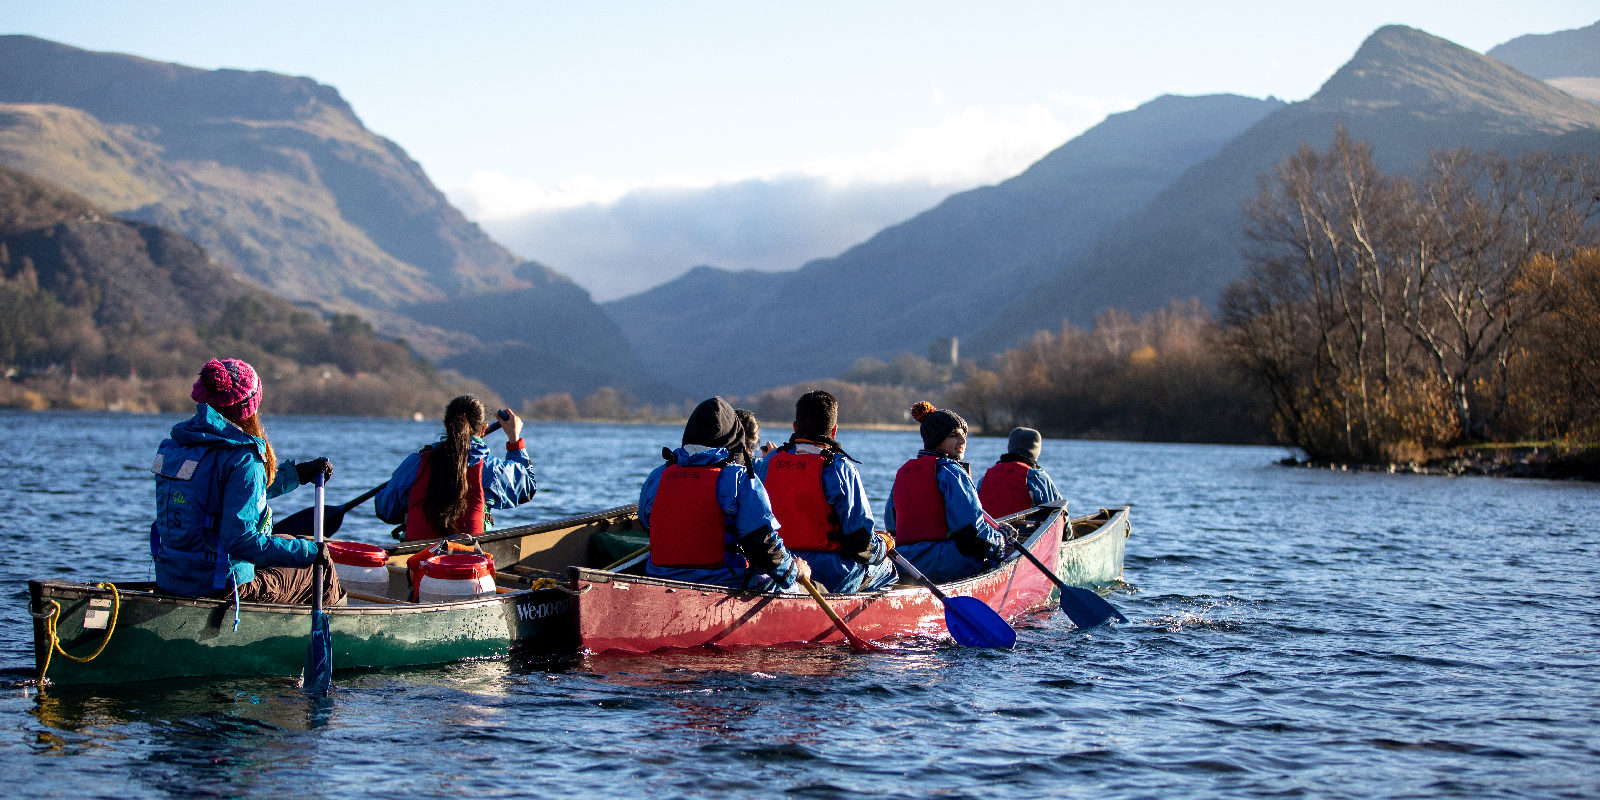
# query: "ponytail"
{"type": "Point", "coordinates": [446, 498]}
{"type": "Point", "coordinates": [252, 425]}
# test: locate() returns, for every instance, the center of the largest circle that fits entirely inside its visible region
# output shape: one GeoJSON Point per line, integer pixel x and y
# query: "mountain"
{"type": "Point", "coordinates": [947, 271]}
{"type": "Point", "coordinates": [102, 312]}
{"type": "Point", "coordinates": [277, 179]}
{"type": "Point", "coordinates": [1567, 60]}
{"type": "Point", "coordinates": [126, 273]}
{"type": "Point", "coordinates": [1405, 92]}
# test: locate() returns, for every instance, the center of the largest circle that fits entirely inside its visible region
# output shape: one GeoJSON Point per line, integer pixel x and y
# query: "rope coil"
{"type": "Point", "coordinates": [53, 616]}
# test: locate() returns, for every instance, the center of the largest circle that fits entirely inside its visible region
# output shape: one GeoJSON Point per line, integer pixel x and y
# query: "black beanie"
{"type": "Point", "coordinates": [713, 424]}
{"type": "Point", "coordinates": [937, 424]}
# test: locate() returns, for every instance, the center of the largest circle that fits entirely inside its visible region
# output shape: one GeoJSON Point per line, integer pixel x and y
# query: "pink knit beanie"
{"type": "Point", "coordinates": [230, 386]}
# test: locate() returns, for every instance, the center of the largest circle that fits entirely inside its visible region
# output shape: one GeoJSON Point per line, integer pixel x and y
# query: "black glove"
{"type": "Point", "coordinates": [307, 472]}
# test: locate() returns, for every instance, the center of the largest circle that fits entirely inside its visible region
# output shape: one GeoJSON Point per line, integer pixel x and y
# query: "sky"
{"type": "Point", "coordinates": [623, 143]}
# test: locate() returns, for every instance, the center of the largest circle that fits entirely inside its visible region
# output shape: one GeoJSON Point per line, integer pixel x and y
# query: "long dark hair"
{"type": "Point", "coordinates": [446, 499]}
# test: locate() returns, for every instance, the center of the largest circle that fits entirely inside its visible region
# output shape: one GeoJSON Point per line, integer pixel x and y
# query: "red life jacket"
{"type": "Point", "coordinates": [918, 503]}
{"type": "Point", "coordinates": [794, 485]}
{"type": "Point", "coordinates": [687, 526]}
{"type": "Point", "coordinates": [1005, 489]}
{"type": "Point", "coordinates": [418, 526]}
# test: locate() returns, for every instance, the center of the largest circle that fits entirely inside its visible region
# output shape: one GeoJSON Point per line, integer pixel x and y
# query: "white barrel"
{"type": "Point", "coordinates": [455, 577]}
{"type": "Point", "coordinates": [360, 567]}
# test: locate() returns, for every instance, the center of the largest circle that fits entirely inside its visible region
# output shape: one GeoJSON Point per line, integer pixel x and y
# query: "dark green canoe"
{"type": "Point", "coordinates": [134, 633]}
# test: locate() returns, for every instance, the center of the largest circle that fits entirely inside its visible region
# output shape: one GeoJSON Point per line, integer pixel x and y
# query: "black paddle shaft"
{"type": "Point", "coordinates": [1017, 545]}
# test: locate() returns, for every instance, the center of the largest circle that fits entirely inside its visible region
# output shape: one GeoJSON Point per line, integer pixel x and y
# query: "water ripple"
{"type": "Point", "coordinates": [1295, 633]}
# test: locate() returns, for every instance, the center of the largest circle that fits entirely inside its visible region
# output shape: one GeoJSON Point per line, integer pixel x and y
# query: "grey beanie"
{"type": "Point", "coordinates": [1024, 442]}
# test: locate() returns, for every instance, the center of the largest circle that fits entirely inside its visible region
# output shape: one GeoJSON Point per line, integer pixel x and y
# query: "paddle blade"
{"type": "Point", "coordinates": [303, 522]}
{"type": "Point", "coordinates": [1087, 609]}
{"type": "Point", "coordinates": [972, 623]}
{"type": "Point", "coordinates": [318, 675]}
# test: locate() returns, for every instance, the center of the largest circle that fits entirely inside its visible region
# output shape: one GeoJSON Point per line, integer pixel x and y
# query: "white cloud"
{"type": "Point", "coordinates": [616, 237]}
{"type": "Point", "coordinates": [975, 146]}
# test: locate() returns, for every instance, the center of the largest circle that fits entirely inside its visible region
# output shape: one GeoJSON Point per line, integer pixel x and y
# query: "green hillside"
{"type": "Point", "coordinates": [278, 180]}
{"type": "Point", "coordinates": [98, 312]}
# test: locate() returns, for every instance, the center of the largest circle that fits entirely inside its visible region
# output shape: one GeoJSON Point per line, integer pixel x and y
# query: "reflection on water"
{"type": "Point", "coordinates": [1292, 632]}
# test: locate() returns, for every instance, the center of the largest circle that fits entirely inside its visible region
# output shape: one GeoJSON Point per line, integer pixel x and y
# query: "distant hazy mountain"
{"type": "Point", "coordinates": [948, 271]}
{"type": "Point", "coordinates": [1405, 92]}
{"type": "Point", "coordinates": [1568, 60]}
{"type": "Point", "coordinates": [278, 180]}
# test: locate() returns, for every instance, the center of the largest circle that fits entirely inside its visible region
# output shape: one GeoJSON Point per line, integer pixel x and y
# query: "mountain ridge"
{"type": "Point", "coordinates": [914, 282]}
{"type": "Point", "coordinates": [276, 177]}
{"type": "Point", "coordinates": [1187, 241]}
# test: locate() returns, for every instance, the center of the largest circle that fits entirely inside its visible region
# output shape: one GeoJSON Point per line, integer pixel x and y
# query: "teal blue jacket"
{"type": "Point", "coordinates": [213, 525]}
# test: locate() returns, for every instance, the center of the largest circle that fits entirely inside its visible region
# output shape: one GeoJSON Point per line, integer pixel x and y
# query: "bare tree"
{"type": "Point", "coordinates": [1483, 219]}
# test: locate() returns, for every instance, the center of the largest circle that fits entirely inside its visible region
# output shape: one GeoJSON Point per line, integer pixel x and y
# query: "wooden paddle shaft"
{"type": "Point", "coordinates": [857, 643]}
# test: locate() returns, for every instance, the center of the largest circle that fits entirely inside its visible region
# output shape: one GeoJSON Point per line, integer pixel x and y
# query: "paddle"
{"type": "Point", "coordinates": [1085, 608]}
{"type": "Point", "coordinates": [857, 643]}
{"type": "Point", "coordinates": [300, 522]}
{"type": "Point", "coordinates": [317, 677]}
{"type": "Point", "coordinates": [971, 622]}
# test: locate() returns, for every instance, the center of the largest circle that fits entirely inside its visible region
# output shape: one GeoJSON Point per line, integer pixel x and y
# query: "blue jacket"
{"type": "Point", "coordinates": [743, 500]}
{"type": "Point", "coordinates": [970, 528]}
{"type": "Point", "coordinates": [847, 496]}
{"type": "Point", "coordinates": [212, 520]}
{"type": "Point", "coordinates": [1040, 488]}
{"type": "Point", "coordinates": [507, 482]}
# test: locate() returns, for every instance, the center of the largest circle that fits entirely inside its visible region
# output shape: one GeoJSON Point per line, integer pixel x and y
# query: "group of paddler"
{"type": "Point", "coordinates": [723, 509]}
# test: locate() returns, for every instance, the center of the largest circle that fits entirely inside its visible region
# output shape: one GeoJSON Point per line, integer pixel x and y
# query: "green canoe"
{"type": "Point", "coordinates": [1092, 551]}
{"type": "Point", "coordinates": [105, 633]}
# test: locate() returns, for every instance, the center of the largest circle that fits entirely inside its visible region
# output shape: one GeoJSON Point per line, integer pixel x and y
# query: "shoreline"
{"type": "Point", "coordinates": [1544, 463]}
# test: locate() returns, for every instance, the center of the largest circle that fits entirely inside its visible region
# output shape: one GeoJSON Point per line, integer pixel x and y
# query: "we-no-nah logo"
{"type": "Point", "coordinates": [529, 612]}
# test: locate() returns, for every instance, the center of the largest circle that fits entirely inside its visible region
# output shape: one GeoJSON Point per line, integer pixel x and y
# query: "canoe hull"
{"type": "Point", "coordinates": [630, 613]}
{"type": "Point", "coordinates": [1093, 558]}
{"type": "Point", "coordinates": [157, 636]}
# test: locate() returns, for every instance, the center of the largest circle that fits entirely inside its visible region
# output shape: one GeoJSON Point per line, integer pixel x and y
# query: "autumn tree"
{"type": "Point", "coordinates": [1381, 314]}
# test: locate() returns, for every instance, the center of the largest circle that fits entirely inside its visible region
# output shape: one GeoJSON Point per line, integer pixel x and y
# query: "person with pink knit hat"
{"type": "Point", "coordinates": [212, 536]}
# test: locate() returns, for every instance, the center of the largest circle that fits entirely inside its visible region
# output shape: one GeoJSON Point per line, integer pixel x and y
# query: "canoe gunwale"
{"type": "Point", "coordinates": [604, 518]}
{"type": "Point", "coordinates": [138, 593]}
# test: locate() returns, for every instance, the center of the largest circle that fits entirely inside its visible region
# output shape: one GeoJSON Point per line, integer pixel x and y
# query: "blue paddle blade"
{"type": "Point", "coordinates": [318, 675]}
{"type": "Point", "coordinates": [972, 623]}
{"type": "Point", "coordinates": [1087, 609]}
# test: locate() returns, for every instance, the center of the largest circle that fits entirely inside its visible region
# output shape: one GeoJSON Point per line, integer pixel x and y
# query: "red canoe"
{"type": "Point", "coordinates": [616, 611]}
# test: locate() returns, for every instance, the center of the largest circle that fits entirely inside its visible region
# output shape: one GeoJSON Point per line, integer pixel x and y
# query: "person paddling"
{"type": "Point", "coordinates": [818, 496]}
{"type": "Point", "coordinates": [709, 518]}
{"type": "Point", "coordinates": [214, 473]}
{"type": "Point", "coordinates": [933, 510]}
{"type": "Point", "coordinates": [451, 486]}
{"type": "Point", "coordinates": [1016, 482]}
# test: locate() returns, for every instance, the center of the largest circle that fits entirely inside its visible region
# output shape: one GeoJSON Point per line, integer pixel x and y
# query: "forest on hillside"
{"type": "Point", "coordinates": [102, 313]}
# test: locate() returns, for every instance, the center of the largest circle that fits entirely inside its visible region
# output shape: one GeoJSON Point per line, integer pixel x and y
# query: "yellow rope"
{"type": "Point", "coordinates": [55, 643]}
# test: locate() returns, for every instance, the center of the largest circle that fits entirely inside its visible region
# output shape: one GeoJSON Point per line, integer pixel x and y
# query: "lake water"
{"type": "Point", "coordinates": [1292, 632]}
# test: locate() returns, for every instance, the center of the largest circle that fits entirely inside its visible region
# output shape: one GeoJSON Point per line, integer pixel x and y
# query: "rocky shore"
{"type": "Point", "coordinates": [1549, 463]}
